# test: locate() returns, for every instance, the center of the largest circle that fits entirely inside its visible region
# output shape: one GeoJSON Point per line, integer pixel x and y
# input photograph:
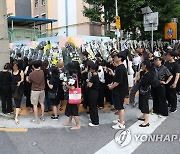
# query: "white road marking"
{"type": "Point", "coordinates": [113, 147]}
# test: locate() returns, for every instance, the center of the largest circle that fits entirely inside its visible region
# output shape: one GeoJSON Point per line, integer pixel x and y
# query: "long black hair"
{"type": "Point", "coordinates": [148, 65]}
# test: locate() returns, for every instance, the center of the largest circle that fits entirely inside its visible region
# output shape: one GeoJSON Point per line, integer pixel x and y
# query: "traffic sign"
{"type": "Point", "coordinates": [152, 18]}
{"type": "Point", "coordinates": [170, 31]}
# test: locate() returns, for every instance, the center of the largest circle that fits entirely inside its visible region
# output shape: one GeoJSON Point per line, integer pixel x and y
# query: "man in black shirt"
{"type": "Point", "coordinates": [119, 88]}
{"type": "Point", "coordinates": [93, 93]}
{"type": "Point", "coordinates": [171, 86]}
{"type": "Point", "coordinates": [20, 62]}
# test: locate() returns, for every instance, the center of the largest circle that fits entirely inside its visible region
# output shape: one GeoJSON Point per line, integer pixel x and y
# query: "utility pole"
{"type": "Point", "coordinates": [117, 30]}
{"type": "Point", "coordinates": [4, 41]}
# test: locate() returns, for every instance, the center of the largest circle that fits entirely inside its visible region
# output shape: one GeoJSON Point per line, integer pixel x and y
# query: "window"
{"type": "Point", "coordinates": [43, 15]}
{"type": "Point", "coordinates": [36, 16]}
{"type": "Point", "coordinates": [43, 2]}
{"type": "Point", "coordinates": [36, 3]}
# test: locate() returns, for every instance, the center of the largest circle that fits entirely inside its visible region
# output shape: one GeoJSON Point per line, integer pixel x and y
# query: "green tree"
{"type": "Point", "coordinates": [101, 11]}
{"type": "Point", "coordinates": [130, 12]}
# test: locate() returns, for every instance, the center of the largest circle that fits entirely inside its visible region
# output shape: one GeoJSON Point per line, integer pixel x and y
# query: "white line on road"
{"type": "Point", "coordinates": [113, 147]}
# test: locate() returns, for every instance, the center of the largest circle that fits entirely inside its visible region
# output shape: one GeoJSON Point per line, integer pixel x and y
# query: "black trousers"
{"type": "Point", "coordinates": [85, 95]}
{"type": "Point", "coordinates": [93, 98]}
{"type": "Point", "coordinates": [101, 94]}
{"type": "Point", "coordinates": [6, 98]}
{"type": "Point", "coordinates": [178, 86]}
{"type": "Point", "coordinates": [171, 96]}
{"type": "Point", "coordinates": [108, 95]}
{"type": "Point", "coordinates": [160, 105]}
{"type": "Point", "coordinates": [28, 99]}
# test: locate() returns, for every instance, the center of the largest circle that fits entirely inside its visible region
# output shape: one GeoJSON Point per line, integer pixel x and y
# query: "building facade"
{"type": "Point", "coordinates": [69, 14]}
{"type": "Point", "coordinates": [19, 7]}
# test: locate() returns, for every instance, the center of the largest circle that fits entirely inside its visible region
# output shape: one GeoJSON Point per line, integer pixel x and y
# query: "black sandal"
{"type": "Point", "coordinates": [141, 119]}
{"type": "Point", "coordinates": [147, 125]}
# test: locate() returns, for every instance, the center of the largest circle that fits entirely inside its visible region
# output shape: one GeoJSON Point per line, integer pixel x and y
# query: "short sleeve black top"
{"type": "Point", "coordinates": [55, 81]}
{"type": "Point", "coordinates": [95, 81]}
{"type": "Point", "coordinates": [5, 78]}
{"type": "Point", "coordinates": [173, 68]}
{"type": "Point", "coordinates": [86, 64]}
{"type": "Point", "coordinates": [121, 78]}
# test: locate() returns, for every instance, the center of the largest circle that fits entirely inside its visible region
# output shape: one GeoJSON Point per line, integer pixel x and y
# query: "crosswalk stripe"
{"type": "Point", "coordinates": [113, 147]}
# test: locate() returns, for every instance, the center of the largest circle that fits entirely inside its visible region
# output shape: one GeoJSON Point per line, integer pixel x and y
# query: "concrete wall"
{"type": "Point", "coordinates": [10, 7]}
{"type": "Point", "coordinates": [95, 29]}
{"type": "Point", "coordinates": [23, 8]}
{"type": "Point", "coordinates": [52, 12]}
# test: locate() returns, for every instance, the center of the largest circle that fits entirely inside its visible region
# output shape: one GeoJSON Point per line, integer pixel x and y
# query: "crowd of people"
{"type": "Point", "coordinates": [110, 81]}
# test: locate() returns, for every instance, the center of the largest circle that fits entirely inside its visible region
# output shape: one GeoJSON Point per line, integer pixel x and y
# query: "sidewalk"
{"type": "Point", "coordinates": [106, 117]}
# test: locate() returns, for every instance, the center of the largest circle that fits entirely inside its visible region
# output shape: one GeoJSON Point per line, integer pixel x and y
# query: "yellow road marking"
{"type": "Point", "coordinates": [14, 130]}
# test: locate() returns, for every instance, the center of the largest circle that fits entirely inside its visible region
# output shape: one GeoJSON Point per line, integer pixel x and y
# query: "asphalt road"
{"type": "Point", "coordinates": [57, 140]}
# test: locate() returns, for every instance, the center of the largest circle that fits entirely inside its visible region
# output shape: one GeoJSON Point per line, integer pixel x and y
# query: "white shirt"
{"type": "Point", "coordinates": [101, 74]}
{"type": "Point", "coordinates": [136, 61]}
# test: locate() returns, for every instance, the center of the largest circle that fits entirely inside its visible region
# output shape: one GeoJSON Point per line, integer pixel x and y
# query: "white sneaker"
{"type": "Point", "coordinates": [118, 126]}
{"type": "Point", "coordinates": [92, 125]}
{"type": "Point", "coordinates": [115, 121]}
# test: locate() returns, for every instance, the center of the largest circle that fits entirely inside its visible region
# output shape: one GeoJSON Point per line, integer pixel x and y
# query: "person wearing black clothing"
{"type": "Point", "coordinates": [84, 76]}
{"type": "Point", "coordinates": [178, 84]}
{"type": "Point", "coordinates": [163, 77]}
{"type": "Point", "coordinates": [47, 71]}
{"type": "Point", "coordinates": [17, 88]}
{"type": "Point", "coordinates": [108, 80]}
{"type": "Point", "coordinates": [5, 90]}
{"type": "Point", "coordinates": [54, 84]}
{"type": "Point", "coordinates": [20, 62]}
{"type": "Point", "coordinates": [93, 87]}
{"type": "Point", "coordinates": [27, 88]}
{"type": "Point", "coordinates": [62, 75]}
{"type": "Point", "coordinates": [171, 86]}
{"type": "Point", "coordinates": [119, 88]}
{"type": "Point", "coordinates": [71, 110]}
{"type": "Point", "coordinates": [101, 66]}
{"type": "Point", "coordinates": [144, 92]}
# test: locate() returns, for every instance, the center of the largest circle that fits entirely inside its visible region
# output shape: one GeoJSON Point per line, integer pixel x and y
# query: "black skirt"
{"type": "Point", "coordinates": [144, 103]}
{"type": "Point", "coordinates": [71, 110]}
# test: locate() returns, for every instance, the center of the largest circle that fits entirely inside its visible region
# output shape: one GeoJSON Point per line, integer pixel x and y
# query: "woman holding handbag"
{"type": "Point", "coordinates": [144, 92]}
{"type": "Point", "coordinates": [72, 109]}
{"type": "Point", "coordinates": [53, 93]}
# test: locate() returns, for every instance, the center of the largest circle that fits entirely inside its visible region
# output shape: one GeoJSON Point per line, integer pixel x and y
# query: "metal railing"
{"type": "Point", "coordinates": [18, 34]}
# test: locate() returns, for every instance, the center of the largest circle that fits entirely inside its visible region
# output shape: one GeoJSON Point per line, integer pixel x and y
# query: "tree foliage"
{"type": "Point", "coordinates": [130, 13]}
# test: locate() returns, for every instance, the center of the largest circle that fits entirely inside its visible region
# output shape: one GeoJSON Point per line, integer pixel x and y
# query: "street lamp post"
{"type": "Point", "coordinates": [116, 8]}
{"type": "Point", "coordinates": [117, 30]}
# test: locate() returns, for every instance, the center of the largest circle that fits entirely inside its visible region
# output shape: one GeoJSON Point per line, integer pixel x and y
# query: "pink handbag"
{"type": "Point", "coordinates": [75, 95]}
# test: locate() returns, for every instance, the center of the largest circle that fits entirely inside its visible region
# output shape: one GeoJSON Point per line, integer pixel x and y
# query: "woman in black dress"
{"type": "Point", "coordinates": [144, 92]}
{"type": "Point", "coordinates": [62, 75]}
{"type": "Point", "coordinates": [54, 84]}
{"type": "Point", "coordinates": [17, 88]}
{"type": "Point", "coordinates": [72, 109]}
{"type": "Point", "coordinates": [5, 89]}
